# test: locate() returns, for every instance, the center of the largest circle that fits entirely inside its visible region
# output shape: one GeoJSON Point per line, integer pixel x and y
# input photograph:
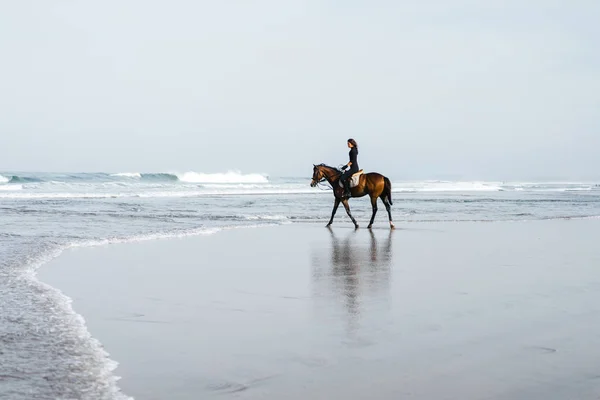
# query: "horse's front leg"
{"type": "Point", "coordinates": [347, 207]}
{"type": "Point", "coordinates": [335, 207]}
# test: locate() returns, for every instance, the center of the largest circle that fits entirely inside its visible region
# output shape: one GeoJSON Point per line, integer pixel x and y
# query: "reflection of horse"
{"type": "Point", "coordinates": [348, 257]}
{"type": "Point", "coordinates": [354, 268]}
{"type": "Point", "coordinates": [372, 183]}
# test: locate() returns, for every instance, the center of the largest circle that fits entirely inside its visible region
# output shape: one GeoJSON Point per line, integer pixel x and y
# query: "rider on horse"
{"type": "Point", "coordinates": [352, 164]}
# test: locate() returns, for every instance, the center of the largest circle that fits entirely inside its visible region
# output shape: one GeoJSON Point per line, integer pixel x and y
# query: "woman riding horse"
{"type": "Point", "coordinates": [352, 164]}
{"type": "Point", "coordinates": [373, 184]}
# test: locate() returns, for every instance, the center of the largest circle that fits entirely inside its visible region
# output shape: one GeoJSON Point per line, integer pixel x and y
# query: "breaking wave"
{"type": "Point", "coordinates": [128, 175]}
{"type": "Point", "coordinates": [185, 177]}
{"type": "Point", "coordinates": [195, 177]}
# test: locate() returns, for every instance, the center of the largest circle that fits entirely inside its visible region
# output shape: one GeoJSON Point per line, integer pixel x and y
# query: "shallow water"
{"type": "Point", "coordinates": [47, 353]}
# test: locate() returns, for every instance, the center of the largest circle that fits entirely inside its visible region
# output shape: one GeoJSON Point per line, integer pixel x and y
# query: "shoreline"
{"type": "Point", "coordinates": [246, 312]}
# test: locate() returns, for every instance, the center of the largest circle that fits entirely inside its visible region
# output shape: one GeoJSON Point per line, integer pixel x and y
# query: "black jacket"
{"type": "Point", "coordinates": [353, 154]}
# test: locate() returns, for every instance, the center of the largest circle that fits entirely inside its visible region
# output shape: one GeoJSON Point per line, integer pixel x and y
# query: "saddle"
{"type": "Point", "coordinates": [354, 179]}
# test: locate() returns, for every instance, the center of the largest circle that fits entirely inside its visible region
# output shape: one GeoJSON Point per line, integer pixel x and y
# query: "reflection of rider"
{"type": "Point", "coordinates": [352, 164]}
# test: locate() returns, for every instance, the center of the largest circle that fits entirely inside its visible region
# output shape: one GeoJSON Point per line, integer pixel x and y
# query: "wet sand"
{"type": "Point", "coordinates": [503, 310]}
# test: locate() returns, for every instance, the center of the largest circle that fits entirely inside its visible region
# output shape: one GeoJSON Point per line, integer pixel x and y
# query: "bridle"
{"type": "Point", "coordinates": [319, 183]}
{"type": "Point", "coordinates": [322, 186]}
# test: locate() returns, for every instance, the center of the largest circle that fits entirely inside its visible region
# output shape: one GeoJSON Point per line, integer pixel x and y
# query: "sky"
{"type": "Point", "coordinates": [430, 89]}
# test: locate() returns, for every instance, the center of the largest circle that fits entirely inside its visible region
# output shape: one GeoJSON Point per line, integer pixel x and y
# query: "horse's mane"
{"type": "Point", "coordinates": [325, 165]}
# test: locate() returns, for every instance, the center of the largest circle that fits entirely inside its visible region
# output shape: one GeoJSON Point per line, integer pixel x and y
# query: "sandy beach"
{"type": "Point", "coordinates": [501, 310]}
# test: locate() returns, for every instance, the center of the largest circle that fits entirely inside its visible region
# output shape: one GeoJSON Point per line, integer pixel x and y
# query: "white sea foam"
{"type": "Point", "coordinates": [577, 189]}
{"type": "Point", "coordinates": [228, 177]}
{"type": "Point", "coordinates": [246, 186]}
{"type": "Point", "coordinates": [446, 186]}
{"type": "Point", "coordinates": [128, 175]}
{"type": "Point", "coordinates": [95, 365]}
{"type": "Point", "coordinates": [235, 184]}
{"type": "Point", "coordinates": [3, 179]}
{"type": "Point", "coordinates": [155, 194]}
{"type": "Point", "coordinates": [59, 195]}
{"type": "Point", "coordinates": [91, 352]}
{"type": "Point", "coordinates": [267, 218]}
{"type": "Point", "coordinates": [11, 187]}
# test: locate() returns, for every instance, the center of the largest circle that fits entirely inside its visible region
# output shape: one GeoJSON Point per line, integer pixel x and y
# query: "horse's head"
{"type": "Point", "coordinates": [323, 172]}
{"type": "Point", "coordinates": [318, 175]}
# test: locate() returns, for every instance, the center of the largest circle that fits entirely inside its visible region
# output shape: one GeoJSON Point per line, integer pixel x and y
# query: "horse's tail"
{"type": "Point", "coordinates": [387, 191]}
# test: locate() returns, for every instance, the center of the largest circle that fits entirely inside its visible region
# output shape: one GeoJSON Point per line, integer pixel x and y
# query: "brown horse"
{"type": "Point", "coordinates": [372, 183]}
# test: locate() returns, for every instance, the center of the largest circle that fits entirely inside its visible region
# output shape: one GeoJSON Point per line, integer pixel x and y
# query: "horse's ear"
{"type": "Point", "coordinates": [314, 165]}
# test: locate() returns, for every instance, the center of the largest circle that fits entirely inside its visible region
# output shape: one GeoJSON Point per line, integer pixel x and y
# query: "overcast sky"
{"type": "Point", "coordinates": [429, 89]}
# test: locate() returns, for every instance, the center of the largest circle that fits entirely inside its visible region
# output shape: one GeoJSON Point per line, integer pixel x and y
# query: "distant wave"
{"type": "Point", "coordinates": [24, 179]}
{"type": "Point", "coordinates": [230, 177]}
{"type": "Point", "coordinates": [159, 177]}
{"type": "Point", "coordinates": [235, 181]}
{"type": "Point", "coordinates": [18, 179]}
{"type": "Point", "coordinates": [128, 175]}
{"type": "Point", "coordinates": [195, 177]}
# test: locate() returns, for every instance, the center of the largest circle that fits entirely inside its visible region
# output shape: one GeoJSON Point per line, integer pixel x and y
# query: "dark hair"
{"type": "Point", "coordinates": [353, 143]}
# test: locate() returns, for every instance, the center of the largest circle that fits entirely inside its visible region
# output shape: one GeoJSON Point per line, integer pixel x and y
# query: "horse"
{"type": "Point", "coordinates": [372, 183]}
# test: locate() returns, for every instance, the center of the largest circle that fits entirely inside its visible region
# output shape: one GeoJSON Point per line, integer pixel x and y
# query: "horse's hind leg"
{"type": "Point", "coordinates": [347, 207]}
{"type": "Point", "coordinates": [389, 211]}
{"type": "Point", "coordinates": [335, 207]}
{"type": "Point", "coordinates": [374, 206]}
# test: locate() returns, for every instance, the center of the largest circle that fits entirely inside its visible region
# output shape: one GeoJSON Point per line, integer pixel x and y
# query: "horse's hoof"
{"type": "Point", "coordinates": [355, 226]}
{"type": "Point", "coordinates": [392, 226]}
{"type": "Point", "coordinates": [328, 225]}
{"type": "Point", "coordinates": [369, 227]}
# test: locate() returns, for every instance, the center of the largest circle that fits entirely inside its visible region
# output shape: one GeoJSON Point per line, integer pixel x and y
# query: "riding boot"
{"type": "Point", "coordinates": [347, 188]}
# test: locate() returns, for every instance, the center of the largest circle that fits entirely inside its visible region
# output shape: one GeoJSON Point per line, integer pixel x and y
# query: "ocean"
{"type": "Point", "coordinates": [45, 349]}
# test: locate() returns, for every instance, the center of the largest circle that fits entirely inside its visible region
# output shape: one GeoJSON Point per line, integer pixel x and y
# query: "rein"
{"type": "Point", "coordinates": [324, 179]}
{"type": "Point", "coordinates": [326, 187]}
